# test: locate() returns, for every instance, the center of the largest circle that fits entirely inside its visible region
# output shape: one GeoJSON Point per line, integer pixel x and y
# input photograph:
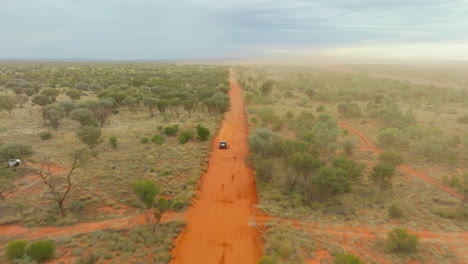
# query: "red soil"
{"type": "Point", "coordinates": [218, 228]}
{"type": "Point", "coordinates": [366, 144]}
{"type": "Point", "coordinates": [82, 228]}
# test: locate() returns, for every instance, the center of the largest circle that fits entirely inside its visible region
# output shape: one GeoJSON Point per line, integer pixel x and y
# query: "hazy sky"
{"type": "Point", "coordinates": [184, 29]}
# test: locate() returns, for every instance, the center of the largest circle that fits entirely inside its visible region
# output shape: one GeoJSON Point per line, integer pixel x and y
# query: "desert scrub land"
{"type": "Point", "coordinates": [348, 157]}
{"type": "Point", "coordinates": [113, 124]}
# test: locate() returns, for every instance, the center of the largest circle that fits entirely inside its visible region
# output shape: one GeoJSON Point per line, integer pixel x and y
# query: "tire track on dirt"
{"type": "Point", "coordinates": [218, 229]}
{"type": "Point", "coordinates": [406, 168]}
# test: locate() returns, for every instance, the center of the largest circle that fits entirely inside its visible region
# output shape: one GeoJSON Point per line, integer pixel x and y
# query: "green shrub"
{"type": "Point", "coordinates": [144, 140]}
{"type": "Point", "coordinates": [171, 130]}
{"type": "Point", "coordinates": [395, 212]}
{"type": "Point", "coordinates": [185, 136]}
{"type": "Point", "coordinates": [203, 133]}
{"type": "Point", "coordinates": [113, 142]}
{"type": "Point", "coordinates": [399, 240]}
{"type": "Point", "coordinates": [15, 249]}
{"type": "Point", "coordinates": [347, 258]}
{"type": "Point", "coordinates": [320, 108]}
{"type": "Point", "coordinates": [45, 135]}
{"type": "Point", "coordinates": [182, 139]}
{"type": "Point", "coordinates": [157, 139]}
{"type": "Point", "coordinates": [41, 250]}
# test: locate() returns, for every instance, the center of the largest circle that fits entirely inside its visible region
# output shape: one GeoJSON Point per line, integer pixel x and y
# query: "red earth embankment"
{"type": "Point", "coordinates": [218, 230]}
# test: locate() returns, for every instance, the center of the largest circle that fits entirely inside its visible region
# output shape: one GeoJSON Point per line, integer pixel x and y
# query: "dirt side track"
{"type": "Point", "coordinates": [218, 229]}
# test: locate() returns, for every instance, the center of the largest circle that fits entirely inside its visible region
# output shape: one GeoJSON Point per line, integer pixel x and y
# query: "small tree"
{"type": "Point", "coordinates": [41, 100]}
{"type": "Point", "coordinates": [392, 157]}
{"type": "Point", "coordinates": [89, 135]}
{"type": "Point", "coordinates": [399, 240]}
{"type": "Point", "coordinates": [202, 132]}
{"type": "Point", "coordinates": [349, 146]}
{"type": "Point", "coordinates": [162, 106]}
{"type": "Point", "coordinates": [21, 99]}
{"type": "Point", "coordinates": [50, 92]}
{"type": "Point", "coordinates": [104, 110]}
{"type": "Point", "coordinates": [353, 169]}
{"type": "Point", "coordinates": [15, 151]}
{"type": "Point", "coordinates": [60, 186]}
{"type": "Point", "coordinates": [67, 107]}
{"type": "Point", "coordinates": [146, 192]}
{"type": "Point", "coordinates": [7, 103]}
{"type": "Point", "coordinates": [151, 103]}
{"type": "Point", "coordinates": [84, 116]}
{"type": "Point", "coordinates": [382, 175]}
{"type": "Point", "coordinates": [74, 94]}
{"type": "Point", "coordinates": [331, 181]}
{"type": "Point", "coordinates": [54, 114]}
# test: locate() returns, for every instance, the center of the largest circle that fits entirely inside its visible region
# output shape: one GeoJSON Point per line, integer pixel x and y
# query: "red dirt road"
{"type": "Point", "coordinates": [218, 230]}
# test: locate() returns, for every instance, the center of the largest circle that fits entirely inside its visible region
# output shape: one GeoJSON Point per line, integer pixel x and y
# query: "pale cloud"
{"type": "Point", "coordinates": [161, 29]}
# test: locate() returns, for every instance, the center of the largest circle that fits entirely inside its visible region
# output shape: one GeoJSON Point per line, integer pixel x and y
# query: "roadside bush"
{"type": "Point", "coordinates": [171, 130]}
{"type": "Point", "coordinates": [347, 258]}
{"type": "Point", "coordinates": [144, 140]}
{"type": "Point", "coordinates": [41, 250]}
{"type": "Point", "coordinates": [45, 135]}
{"type": "Point", "coordinates": [395, 212]}
{"type": "Point", "coordinates": [392, 157]}
{"type": "Point", "coordinates": [15, 249]}
{"type": "Point", "coordinates": [264, 142]}
{"type": "Point", "coordinates": [202, 132]}
{"type": "Point", "coordinates": [264, 170]}
{"type": "Point", "coordinates": [399, 240]}
{"type": "Point", "coordinates": [113, 142]}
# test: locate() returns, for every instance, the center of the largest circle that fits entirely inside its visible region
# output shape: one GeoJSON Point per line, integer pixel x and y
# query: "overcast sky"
{"type": "Point", "coordinates": [187, 29]}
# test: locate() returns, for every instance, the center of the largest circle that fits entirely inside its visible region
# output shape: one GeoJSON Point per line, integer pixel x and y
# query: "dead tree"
{"type": "Point", "coordinates": [59, 186]}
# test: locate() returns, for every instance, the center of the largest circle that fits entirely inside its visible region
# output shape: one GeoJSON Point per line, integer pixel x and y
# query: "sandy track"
{"type": "Point", "coordinates": [366, 144]}
{"type": "Point", "coordinates": [218, 230]}
{"type": "Point", "coordinates": [17, 231]}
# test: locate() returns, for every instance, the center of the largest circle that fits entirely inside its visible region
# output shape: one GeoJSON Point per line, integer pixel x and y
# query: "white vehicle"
{"type": "Point", "coordinates": [222, 144]}
{"type": "Point", "coordinates": [14, 162]}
